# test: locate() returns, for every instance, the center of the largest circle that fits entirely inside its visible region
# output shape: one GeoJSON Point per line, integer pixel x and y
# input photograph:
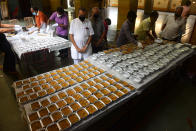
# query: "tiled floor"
{"type": "Point", "coordinates": [168, 113]}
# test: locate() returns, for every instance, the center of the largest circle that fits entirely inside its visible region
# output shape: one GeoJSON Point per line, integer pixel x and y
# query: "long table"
{"type": "Point", "coordinates": [149, 80]}
{"type": "Point", "coordinates": [134, 88]}
{"type": "Point", "coordinates": [24, 44]}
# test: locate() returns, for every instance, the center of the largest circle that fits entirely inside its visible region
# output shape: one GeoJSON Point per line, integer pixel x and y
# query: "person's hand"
{"type": "Point", "coordinates": [61, 25]}
{"type": "Point", "coordinates": [79, 50]}
{"type": "Point", "coordinates": [83, 50]}
{"type": "Point", "coordinates": [97, 44]}
{"type": "Point", "coordinates": [18, 29]}
{"type": "Point", "coordinates": [139, 44]}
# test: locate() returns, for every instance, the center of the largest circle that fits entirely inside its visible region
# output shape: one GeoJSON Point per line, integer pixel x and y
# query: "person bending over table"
{"type": "Point", "coordinates": [81, 33]}
{"type": "Point", "coordinates": [126, 35]}
{"type": "Point", "coordinates": [98, 42]}
{"type": "Point", "coordinates": [147, 25]}
{"type": "Point", "coordinates": [40, 18]}
{"type": "Point", "coordinates": [61, 18]}
{"type": "Point", "coordinates": [174, 26]}
{"type": "Point", "coordinates": [9, 65]}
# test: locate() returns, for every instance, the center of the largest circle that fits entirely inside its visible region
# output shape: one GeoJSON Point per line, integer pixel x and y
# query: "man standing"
{"type": "Point", "coordinates": [40, 18]}
{"type": "Point", "coordinates": [126, 36]}
{"type": "Point", "coordinates": [61, 18]}
{"type": "Point", "coordinates": [81, 33]}
{"type": "Point", "coordinates": [173, 26]}
{"type": "Point", "coordinates": [99, 30]}
{"type": "Point", "coordinates": [147, 25]}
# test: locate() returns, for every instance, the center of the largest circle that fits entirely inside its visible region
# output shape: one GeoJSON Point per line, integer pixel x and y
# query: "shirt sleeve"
{"type": "Point", "coordinates": [53, 16]}
{"type": "Point", "coordinates": [91, 29]}
{"type": "Point", "coordinates": [128, 35]}
{"type": "Point", "coordinates": [71, 30]}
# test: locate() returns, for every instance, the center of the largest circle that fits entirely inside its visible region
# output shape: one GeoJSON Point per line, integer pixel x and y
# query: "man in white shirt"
{"type": "Point", "coordinates": [174, 26]}
{"type": "Point", "coordinates": [81, 33]}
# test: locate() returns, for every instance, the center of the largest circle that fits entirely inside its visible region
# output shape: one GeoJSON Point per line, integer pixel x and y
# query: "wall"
{"type": "Point", "coordinates": [37, 3]}
{"type": "Point", "coordinates": [193, 7]}
{"type": "Point", "coordinates": [124, 7]}
{"type": "Point", "coordinates": [87, 4]}
{"type": "Point", "coordinates": [54, 4]}
{"type": "Point", "coordinates": [174, 4]}
{"type": "Point", "coordinates": [113, 3]}
{"type": "Point", "coordinates": [141, 4]}
{"type": "Point", "coordinates": [161, 5]}
{"type": "Point", "coordinates": [12, 5]}
{"type": "Point", "coordinates": [49, 6]}
{"type": "Point", "coordinates": [46, 7]}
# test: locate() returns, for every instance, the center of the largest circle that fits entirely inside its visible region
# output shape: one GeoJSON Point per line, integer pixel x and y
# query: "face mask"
{"type": "Point", "coordinates": [96, 15]}
{"type": "Point", "coordinates": [58, 15]}
{"type": "Point", "coordinates": [82, 18]}
{"type": "Point", "coordinates": [34, 13]}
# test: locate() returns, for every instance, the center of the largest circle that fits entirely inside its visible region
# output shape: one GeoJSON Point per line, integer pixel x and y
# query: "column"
{"type": "Point", "coordinates": [124, 6]}
{"type": "Point", "coordinates": [46, 7]}
{"type": "Point", "coordinates": [148, 8]}
{"type": "Point", "coordinates": [77, 6]}
{"type": "Point", "coordinates": [55, 4]}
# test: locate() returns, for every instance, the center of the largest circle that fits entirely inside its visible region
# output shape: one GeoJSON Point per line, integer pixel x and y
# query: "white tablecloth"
{"type": "Point", "coordinates": [22, 43]}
